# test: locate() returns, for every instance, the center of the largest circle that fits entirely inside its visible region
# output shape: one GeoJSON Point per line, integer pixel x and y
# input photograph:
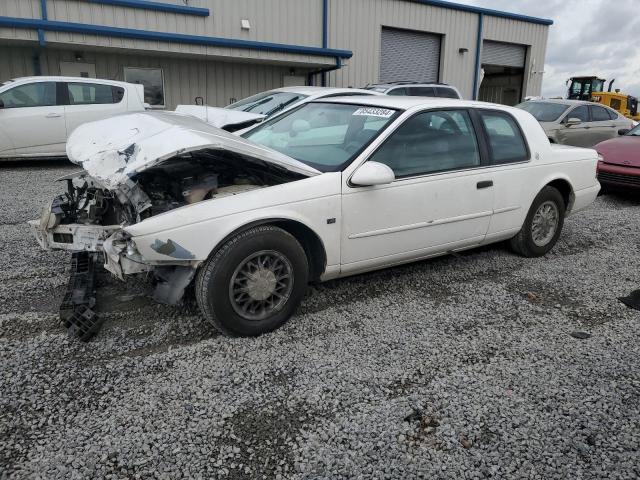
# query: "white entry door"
{"type": "Point", "coordinates": [77, 69]}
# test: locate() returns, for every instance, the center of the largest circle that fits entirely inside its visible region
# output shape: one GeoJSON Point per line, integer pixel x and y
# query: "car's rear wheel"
{"type": "Point", "coordinates": [543, 224]}
{"type": "Point", "coordinates": [254, 282]}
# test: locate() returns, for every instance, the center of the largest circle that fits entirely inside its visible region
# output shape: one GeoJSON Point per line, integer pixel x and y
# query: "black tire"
{"type": "Point", "coordinates": [213, 281]}
{"type": "Point", "coordinates": [523, 243]}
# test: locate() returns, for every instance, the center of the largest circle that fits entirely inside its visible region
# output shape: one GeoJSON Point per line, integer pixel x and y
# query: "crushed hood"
{"type": "Point", "coordinates": [114, 149]}
{"type": "Point", "coordinates": [219, 117]}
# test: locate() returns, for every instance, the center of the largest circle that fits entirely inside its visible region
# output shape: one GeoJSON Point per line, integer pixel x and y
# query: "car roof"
{"type": "Point", "coordinates": [561, 101]}
{"type": "Point", "coordinates": [65, 79]}
{"type": "Point", "coordinates": [405, 103]}
{"type": "Point", "coordinates": [311, 90]}
{"type": "Point", "coordinates": [411, 84]}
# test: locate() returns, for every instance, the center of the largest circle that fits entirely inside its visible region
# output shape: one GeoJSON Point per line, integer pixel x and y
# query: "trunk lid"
{"type": "Point", "coordinates": [114, 149]}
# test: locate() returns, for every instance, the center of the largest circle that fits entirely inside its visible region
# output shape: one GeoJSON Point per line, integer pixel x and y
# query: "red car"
{"type": "Point", "coordinates": [619, 167]}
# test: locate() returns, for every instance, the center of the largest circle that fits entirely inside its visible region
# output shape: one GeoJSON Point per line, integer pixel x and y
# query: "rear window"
{"type": "Point", "coordinates": [506, 143]}
{"type": "Point", "coordinates": [421, 92]}
{"type": "Point", "coordinates": [445, 92]}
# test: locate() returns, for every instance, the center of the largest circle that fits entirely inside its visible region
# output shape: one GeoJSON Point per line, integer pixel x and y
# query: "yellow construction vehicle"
{"type": "Point", "coordinates": [592, 88]}
{"type": "Point", "coordinates": [626, 105]}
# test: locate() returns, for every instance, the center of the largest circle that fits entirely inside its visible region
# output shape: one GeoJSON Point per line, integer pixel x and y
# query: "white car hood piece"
{"type": "Point", "coordinates": [114, 149]}
{"type": "Point", "coordinates": [219, 117]}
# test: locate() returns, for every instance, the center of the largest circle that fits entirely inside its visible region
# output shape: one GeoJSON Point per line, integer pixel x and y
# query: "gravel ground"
{"type": "Point", "coordinates": [459, 367]}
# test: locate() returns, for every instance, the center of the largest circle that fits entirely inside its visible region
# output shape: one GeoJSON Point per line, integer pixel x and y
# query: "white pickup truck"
{"type": "Point", "coordinates": [333, 188]}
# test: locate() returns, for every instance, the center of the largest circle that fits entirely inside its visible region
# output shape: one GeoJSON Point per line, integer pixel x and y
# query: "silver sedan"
{"type": "Point", "coordinates": [578, 123]}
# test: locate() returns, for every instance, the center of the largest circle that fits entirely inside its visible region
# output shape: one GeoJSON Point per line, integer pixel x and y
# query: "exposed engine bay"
{"type": "Point", "coordinates": [90, 218]}
{"type": "Point", "coordinates": [172, 184]}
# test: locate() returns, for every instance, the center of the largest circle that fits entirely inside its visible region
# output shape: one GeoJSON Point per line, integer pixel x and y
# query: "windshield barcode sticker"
{"type": "Point", "coordinates": [374, 112]}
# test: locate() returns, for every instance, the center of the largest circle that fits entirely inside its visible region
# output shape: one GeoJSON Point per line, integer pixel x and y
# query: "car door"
{"type": "Point", "coordinates": [509, 156]}
{"type": "Point", "coordinates": [88, 102]}
{"type": "Point", "coordinates": [603, 128]}
{"type": "Point", "coordinates": [33, 120]}
{"type": "Point", "coordinates": [577, 135]}
{"type": "Point", "coordinates": [440, 200]}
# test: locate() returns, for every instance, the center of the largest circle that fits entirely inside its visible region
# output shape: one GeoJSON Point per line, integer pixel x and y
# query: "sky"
{"type": "Point", "coordinates": [588, 37]}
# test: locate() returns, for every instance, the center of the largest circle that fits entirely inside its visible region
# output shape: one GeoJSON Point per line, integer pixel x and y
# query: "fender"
{"type": "Point", "coordinates": [7, 148]}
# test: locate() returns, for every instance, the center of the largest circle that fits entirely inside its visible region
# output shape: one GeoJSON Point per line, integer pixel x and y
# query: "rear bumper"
{"type": "Point", "coordinates": [585, 197]}
{"type": "Point", "coordinates": [619, 176]}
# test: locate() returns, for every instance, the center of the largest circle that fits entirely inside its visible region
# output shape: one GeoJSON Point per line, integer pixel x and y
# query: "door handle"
{"type": "Point", "coordinates": [587, 128]}
{"type": "Point", "coordinates": [484, 184]}
{"type": "Point", "coordinates": [53, 115]}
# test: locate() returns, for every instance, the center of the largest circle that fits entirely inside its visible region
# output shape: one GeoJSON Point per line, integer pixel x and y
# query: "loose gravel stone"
{"type": "Point", "coordinates": [458, 367]}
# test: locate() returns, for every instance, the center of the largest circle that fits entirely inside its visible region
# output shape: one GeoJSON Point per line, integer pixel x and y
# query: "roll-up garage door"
{"type": "Point", "coordinates": [503, 54]}
{"type": "Point", "coordinates": [406, 55]}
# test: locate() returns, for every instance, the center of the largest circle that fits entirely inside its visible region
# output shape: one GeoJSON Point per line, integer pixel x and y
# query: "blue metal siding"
{"type": "Point", "coordinates": [484, 11]}
{"type": "Point", "coordinates": [82, 28]}
{"type": "Point", "coordinates": [157, 6]}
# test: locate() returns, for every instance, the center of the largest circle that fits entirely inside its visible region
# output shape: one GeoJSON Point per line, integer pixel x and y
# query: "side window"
{"type": "Point", "coordinates": [40, 94]}
{"type": "Point", "coordinates": [581, 113]}
{"type": "Point", "coordinates": [599, 114]}
{"type": "Point", "coordinates": [616, 104]}
{"type": "Point", "coordinates": [431, 142]}
{"type": "Point", "coordinates": [506, 143]}
{"type": "Point", "coordinates": [94, 94]}
{"type": "Point", "coordinates": [445, 92]}
{"type": "Point", "coordinates": [398, 91]}
{"type": "Point", "coordinates": [421, 92]}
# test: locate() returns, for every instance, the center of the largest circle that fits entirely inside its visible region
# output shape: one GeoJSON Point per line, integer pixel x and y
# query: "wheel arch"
{"type": "Point", "coordinates": [563, 185]}
{"type": "Point", "coordinates": [310, 241]}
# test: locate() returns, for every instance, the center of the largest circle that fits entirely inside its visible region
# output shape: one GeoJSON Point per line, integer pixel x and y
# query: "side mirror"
{"type": "Point", "coordinates": [573, 121]}
{"type": "Point", "coordinates": [373, 173]}
{"type": "Point", "coordinates": [623, 131]}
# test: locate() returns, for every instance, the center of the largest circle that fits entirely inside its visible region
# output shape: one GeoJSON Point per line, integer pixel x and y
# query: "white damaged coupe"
{"type": "Point", "coordinates": [332, 188]}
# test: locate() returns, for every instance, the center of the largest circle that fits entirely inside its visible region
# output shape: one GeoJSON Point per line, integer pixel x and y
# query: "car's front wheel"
{"type": "Point", "coordinates": [254, 282]}
{"type": "Point", "coordinates": [543, 224]}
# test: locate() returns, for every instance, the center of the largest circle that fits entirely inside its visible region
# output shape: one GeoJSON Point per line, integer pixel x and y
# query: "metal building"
{"type": "Point", "coordinates": [222, 50]}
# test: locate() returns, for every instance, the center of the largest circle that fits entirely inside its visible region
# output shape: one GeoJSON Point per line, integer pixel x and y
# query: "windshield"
{"type": "Point", "coordinates": [635, 131]}
{"type": "Point", "coordinates": [326, 136]}
{"type": "Point", "coordinates": [376, 89]}
{"type": "Point", "coordinates": [544, 112]}
{"type": "Point", "coordinates": [267, 103]}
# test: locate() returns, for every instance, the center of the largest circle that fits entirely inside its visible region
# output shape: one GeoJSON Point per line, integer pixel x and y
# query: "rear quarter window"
{"type": "Point", "coordinates": [505, 138]}
{"type": "Point", "coordinates": [445, 92]}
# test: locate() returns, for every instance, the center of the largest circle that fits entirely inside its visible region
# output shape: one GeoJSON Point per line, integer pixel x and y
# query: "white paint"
{"type": "Point", "coordinates": [42, 131]}
{"type": "Point", "coordinates": [375, 226]}
{"type": "Point", "coordinates": [113, 149]}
